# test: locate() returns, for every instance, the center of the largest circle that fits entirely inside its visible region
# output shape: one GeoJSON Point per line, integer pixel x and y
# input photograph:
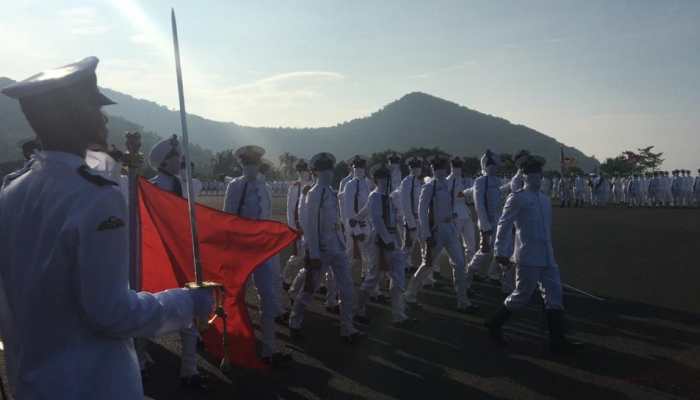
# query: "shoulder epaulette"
{"type": "Point", "coordinates": [16, 174]}
{"type": "Point", "coordinates": [98, 180]}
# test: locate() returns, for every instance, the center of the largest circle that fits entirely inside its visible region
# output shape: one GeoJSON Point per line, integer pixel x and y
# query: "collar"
{"type": "Point", "coordinates": [69, 159]}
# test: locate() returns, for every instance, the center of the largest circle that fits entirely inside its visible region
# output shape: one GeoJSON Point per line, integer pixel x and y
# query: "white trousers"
{"type": "Point", "coordinates": [328, 279]}
{"type": "Point", "coordinates": [445, 237]}
{"type": "Point", "coordinates": [337, 261]}
{"type": "Point", "coordinates": [397, 276]}
{"type": "Point", "coordinates": [527, 279]}
{"type": "Point", "coordinates": [188, 362]}
{"type": "Point", "coordinates": [294, 264]}
{"type": "Point", "coordinates": [266, 279]}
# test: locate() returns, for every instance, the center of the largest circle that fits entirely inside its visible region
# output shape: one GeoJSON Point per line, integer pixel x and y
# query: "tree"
{"type": "Point", "coordinates": [630, 162]}
{"type": "Point", "coordinates": [226, 164]}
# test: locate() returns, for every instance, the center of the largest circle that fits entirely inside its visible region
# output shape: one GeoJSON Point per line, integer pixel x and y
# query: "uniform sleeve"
{"type": "Point", "coordinates": [292, 196]}
{"type": "Point", "coordinates": [426, 194]}
{"type": "Point", "coordinates": [348, 203]}
{"type": "Point", "coordinates": [406, 193]}
{"type": "Point", "coordinates": [505, 226]}
{"type": "Point", "coordinates": [231, 198]}
{"type": "Point", "coordinates": [311, 228]}
{"type": "Point", "coordinates": [480, 206]}
{"type": "Point", "coordinates": [375, 214]}
{"type": "Point", "coordinates": [105, 300]}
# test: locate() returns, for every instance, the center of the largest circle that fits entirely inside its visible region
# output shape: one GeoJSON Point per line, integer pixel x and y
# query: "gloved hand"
{"type": "Point", "coordinates": [203, 302]}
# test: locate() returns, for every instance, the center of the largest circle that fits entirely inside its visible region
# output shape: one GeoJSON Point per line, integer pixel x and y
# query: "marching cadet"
{"type": "Point", "coordinates": [687, 188]}
{"type": "Point", "coordinates": [436, 228]}
{"type": "Point", "coordinates": [654, 190]}
{"type": "Point", "coordinates": [676, 187]}
{"type": "Point", "coordinates": [326, 248]}
{"type": "Point", "coordinates": [74, 281]}
{"type": "Point", "coordinates": [487, 201]}
{"type": "Point", "coordinates": [357, 230]}
{"type": "Point", "coordinates": [464, 223]}
{"type": "Point", "coordinates": [395, 171]}
{"type": "Point", "coordinates": [166, 158]}
{"type": "Point", "coordinates": [547, 186]}
{"type": "Point", "coordinates": [295, 194]}
{"type": "Point", "coordinates": [410, 193]}
{"type": "Point", "coordinates": [579, 191]}
{"type": "Point", "coordinates": [531, 214]}
{"type": "Point", "coordinates": [385, 249]}
{"type": "Point", "coordinates": [248, 197]}
{"type": "Point", "coordinates": [565, 191]}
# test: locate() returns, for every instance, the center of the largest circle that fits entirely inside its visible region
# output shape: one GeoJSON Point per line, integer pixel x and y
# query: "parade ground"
{"type": "Point", "coordinates": [642, 331]}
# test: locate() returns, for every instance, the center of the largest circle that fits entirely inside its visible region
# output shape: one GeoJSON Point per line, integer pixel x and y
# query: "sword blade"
{"type": "Point", "coordinates": [186, 147]}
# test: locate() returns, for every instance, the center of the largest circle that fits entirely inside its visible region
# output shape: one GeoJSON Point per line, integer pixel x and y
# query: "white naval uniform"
{"type": "Point", "coordinates": [251, 199]}
{"type": "Point", "coordinates": [487, 203]}
{"type": "Point", "coordinates": [295, 195]}
{"type": "Point", "coordinates": [410, 189]}
{"type": "Point", "coordinates": [324, 241]}
{"type": "Point", "coordinates": [463, 218]}
{"type": "Point", "coordinates": [69, 316]}
{"type": "Point", "coordinates": [355, 196]}
{"type": "Point", "coordinates": [189, 335]}
{"type": "Point", "coordinates": [531, 213]}
{"type": "Point", "coordinates": [385, 221]}
{"type": "Point", "coordinates": [436, 204]}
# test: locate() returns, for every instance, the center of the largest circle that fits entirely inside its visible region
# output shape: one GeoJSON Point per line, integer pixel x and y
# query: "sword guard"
{"type": "Point", "coordinates": [205, 284]}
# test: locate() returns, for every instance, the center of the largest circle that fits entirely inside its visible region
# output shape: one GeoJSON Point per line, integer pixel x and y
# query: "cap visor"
{"type": "Point", "coordinates": [104, 100]}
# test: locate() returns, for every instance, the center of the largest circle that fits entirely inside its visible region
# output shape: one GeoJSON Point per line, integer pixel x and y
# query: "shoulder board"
{"type": "Point", "coordinates": [98, 180]}
{"type": "Point", "coordinates": [16, 174]}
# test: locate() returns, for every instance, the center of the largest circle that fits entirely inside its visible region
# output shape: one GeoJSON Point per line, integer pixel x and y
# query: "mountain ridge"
{"type": "Point", "coordinates": [416, 119]}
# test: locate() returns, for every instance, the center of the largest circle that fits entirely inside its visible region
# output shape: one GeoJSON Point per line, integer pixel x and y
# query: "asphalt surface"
{"type": "Point", "coordinates": [642, 341]}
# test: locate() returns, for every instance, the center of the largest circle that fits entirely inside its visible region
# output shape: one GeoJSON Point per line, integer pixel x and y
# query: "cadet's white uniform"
{"type": "Point", "coordinates": [696, 189]}
{"type": "Point", "coordinates": [487, 202]}
{"type": "Point", "coordinates": [531, 213]}
{"type": "Point", "coordinates": [384, 218]}
{"type": "Point", "coordinates": [324, 241]}
{"type": "Point", "coordinates": [355, 195]}
{"type": "Point", "coordinates": [70, 315]}
{"type": "Point", "coordinates": [250, 199]}
{"type": "Point", "coordinates": [435, 199]}
{"type": "Point", "coordinates": [295, 195]}
{"type": "Point", "coordinates": [463, 219]}
{"type": "Point", "coordinates": [189, 335]}
{"type": "Point", "coordinates": [410, 189]}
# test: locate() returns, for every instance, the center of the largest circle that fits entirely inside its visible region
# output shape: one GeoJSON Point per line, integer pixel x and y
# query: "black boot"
{"type": "Point", "coordinates": [558, 343]}
{"type": "Point", "coordinates": [496, 323]}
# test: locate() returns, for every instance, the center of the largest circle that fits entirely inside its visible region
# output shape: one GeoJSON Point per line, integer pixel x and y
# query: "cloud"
{"type": "Point", "coordinates": [84, 21]}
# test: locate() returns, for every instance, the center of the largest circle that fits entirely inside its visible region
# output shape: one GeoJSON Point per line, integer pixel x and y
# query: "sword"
{"type": "Point", "coordinates": [199, 279]}
{"type": "Point", "coordinates": [133, 163]}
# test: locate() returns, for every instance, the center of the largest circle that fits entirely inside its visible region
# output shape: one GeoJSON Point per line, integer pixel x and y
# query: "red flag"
{"type": "Point", "coordinates": [230, 249]}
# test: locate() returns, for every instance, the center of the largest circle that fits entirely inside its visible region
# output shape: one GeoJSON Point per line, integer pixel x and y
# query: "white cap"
{"type": "Point", "coordinates": [79, 75]}
{"type": "Point", "coordinates": [162, 150]}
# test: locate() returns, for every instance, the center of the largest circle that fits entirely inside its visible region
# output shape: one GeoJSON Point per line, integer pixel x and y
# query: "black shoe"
{"type": "Point", "coordinates": [470, 310]}
{"type": "Point", "coordinates": [380, 298]}
{"type": "Point", "coordinates": [296, 335]}
{"type": "Point", "coordinates": [333, 309]}
{"type": "Point", "coordinates": [414, 306]}
{"type": "Point", "coordinates": [412, 270]}
{"type": "Point", "coordinates": [278, 360]}
{"type": "Point", "coordinates": [406, 323]}
{"type": "Point", "coordinates": [194, 382]}
{"type": "Point", "coordinates": [495, 325]}
{"type": "Point", "coordinates": [558, 343]}
{"type": "Point", "coordinates": [354, 338]}
{"type": "Point", "coordinates": [322, 290]}
{"type": "Point", "coordinates": [361, 319]}
{"type": "Point", "coordinates": [283, 319]}
{"type": "Point", "coordinates": [286, 286]}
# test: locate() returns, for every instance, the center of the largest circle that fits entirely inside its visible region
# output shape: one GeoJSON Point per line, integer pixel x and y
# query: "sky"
{"type": "Point", "coordinates": [601, 75]}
